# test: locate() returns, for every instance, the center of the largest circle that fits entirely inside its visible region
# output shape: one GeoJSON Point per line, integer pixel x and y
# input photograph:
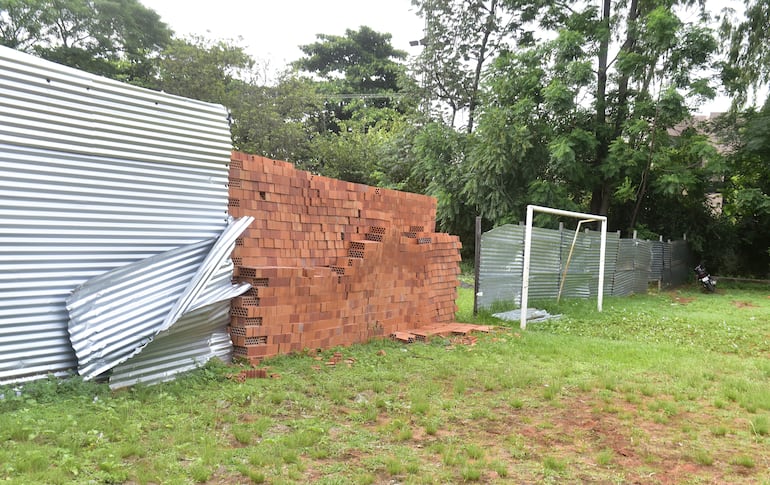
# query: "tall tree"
{"type": "Point", "coordinates": [582, 117]}
{"type": "Point", "coordinates": [746, 67]}
{"type": "Point", "coordinates": [203, 69]}
{"type": "Point", "coordinates": [747, 192]}
{"type": "Point", "coordinates": [277, 121]}
{"type": "Point", "coordinates": [358, 71]}
{"type": "Point", "coordinates": [461, 37]}
{"type": "Point", "coordinates": [113, 38]}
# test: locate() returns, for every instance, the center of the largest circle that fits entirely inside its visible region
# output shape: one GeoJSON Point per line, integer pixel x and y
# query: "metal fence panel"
{"type": "Point", "coordinates": [95, 174]}
{"type": "Point", "coordinates": [656, 261]}
{"type": "Point", "coordinates": [629, 264]}
{"type": "Point", "coordinates": [502, 257]}
{"type": "Point", "coordinates": [501, 264]}
{"type": "Point", "coordinates": [681, 264]}
{"type": "Point", "coordinates": [545, 263]}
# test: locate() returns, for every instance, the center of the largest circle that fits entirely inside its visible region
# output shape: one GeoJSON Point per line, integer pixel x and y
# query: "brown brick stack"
{"type": "Point", "coordinates": [332, 262]}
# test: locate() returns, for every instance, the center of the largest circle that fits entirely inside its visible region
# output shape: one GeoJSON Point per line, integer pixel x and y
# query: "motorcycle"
{"type": "Point", "coordinates": [708, 283]}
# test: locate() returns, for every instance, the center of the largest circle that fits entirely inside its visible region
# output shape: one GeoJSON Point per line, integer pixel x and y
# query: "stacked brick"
{"type": "Point", "coordinates": [332, 262]}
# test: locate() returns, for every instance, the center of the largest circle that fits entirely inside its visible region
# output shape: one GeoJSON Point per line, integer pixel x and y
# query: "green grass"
{"type": "Point", "coordinates": [653, 382]}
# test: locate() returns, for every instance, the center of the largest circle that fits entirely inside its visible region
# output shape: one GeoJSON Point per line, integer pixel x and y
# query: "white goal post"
{"type": "Point", "coordinates": [528, 252]}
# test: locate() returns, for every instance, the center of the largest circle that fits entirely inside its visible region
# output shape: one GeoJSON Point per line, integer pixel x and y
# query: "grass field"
{"type": "Point", "coordinates": [670, 387]}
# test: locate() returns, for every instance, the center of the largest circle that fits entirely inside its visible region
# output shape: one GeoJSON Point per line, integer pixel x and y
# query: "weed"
{"type": "Point", "coordinates": [256, 476]}
{"type": "Point", "coordinates": [420, 407]}
{"type": "Point", "coordinates": [242, 436]}
{"type": "Point", "coordinates": [450, 457]}
{"type": "Point", "coordinates": [605, 457]}
{"type": "Point", "coordinates": [499, 467]}
{"type": "Point", "coordinates": [471, 473]}
{"type": "Point", "coordinates": [404, 434]}
{"type": "Point", "coordinates": [474, 451]}
{"type": "Point", "coordinates": [550, 391]}
{"type": "Point", "coordinates": [431, 426]}
{"type": "Point", "coordinates": [554, 464]}
{"type": "Point", "coordinates": [760, 426]}
{"type": "Point", "coordinates": [394, 466]}
{"type": "Point", "coordinates": [743, 460]}
{"type": "Point", "coordinates": [719, 431]}
{"type": "Point", "coordinates": [702, 457]}
{"type": "Point", "coordinates": [518, 447]}
{"type": "Point", "coordinates": [200, 473]}
{"type": "Point", "coordinates": [290, 456]}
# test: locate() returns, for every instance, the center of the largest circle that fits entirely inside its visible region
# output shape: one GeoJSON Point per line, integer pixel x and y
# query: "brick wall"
{"type": "Point", "coordinates": [332, 262]}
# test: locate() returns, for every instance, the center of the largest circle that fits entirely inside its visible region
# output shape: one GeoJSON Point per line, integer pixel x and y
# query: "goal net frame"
{"type": "Point", "coordinates": [583, 217]}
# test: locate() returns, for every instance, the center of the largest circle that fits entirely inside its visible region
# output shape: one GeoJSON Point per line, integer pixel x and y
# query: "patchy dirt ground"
{"type": "Point", "coordinates": [585, 438]}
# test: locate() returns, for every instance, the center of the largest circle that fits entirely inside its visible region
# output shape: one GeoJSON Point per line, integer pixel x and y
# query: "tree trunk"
{"type": "Point", "coordinates": [489, 26]}
{"type": "Point", "coordinates": [600, 131]}
{"type": "Point", "coordinates": [600, 197]}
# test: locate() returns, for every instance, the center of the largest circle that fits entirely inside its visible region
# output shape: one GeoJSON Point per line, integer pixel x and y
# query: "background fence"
{"type": "Point", "coordinates": [630, 264]}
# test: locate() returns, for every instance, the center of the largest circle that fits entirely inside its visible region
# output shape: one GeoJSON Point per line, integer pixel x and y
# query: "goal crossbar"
{"type": "Point", "coordinates": [531, 209]}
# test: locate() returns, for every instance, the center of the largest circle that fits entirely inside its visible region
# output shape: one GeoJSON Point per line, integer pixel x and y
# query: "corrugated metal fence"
{"type": "Point", "coordinates": [95, 174]}
{"type": "Point", "coordinates": [630, 264]}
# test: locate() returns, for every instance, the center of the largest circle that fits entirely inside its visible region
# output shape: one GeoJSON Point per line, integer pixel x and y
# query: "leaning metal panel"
{"type": "Point", "coordinates": [196, 338]}
{"type": "Point", "coordinates": [115, 315]}
{"type": "Point", "coordinates": [95, 175]}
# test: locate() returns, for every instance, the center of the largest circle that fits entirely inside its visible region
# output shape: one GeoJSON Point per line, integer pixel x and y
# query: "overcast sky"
{"type": "Point", "coordinates": [271, 31]}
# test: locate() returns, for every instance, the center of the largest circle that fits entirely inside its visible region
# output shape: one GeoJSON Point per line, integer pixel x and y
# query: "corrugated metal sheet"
{"type": "Point", "coordinates": [500, 266]}
{"type": "Point", "coordinates": [196, 338]}
{"type": "Point", "coordinates": [629, 264]}
{"type": "Point", "coordinates": [95, 175]}
{"type": "Point", "coordinates": [115, 315]}
{"type": "Point", "coordinates": [54, 107]}
{"type": "Point", "coordinates": [633, 267]}
{"type": "Point", "coordinates": [583, 273]}
{"type": "Point", "coordinates": [545, 263]}
{"type": "Point", "coordinates": [642, 264]}
{"type": "Point", "coordinates": [656, 260]}
{"type": "Point", "coordinates": [623, 278]}
{"type": "Point", "coordinates": [681, 264]}
{"type": "Point", "coordinates": [502, 256]}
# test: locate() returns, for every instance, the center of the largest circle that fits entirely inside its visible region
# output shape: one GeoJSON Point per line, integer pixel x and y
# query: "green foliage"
{"type": "Point", "coordinates": [112, 38]}
{"type": "Point", "coordinates": [747, 193]}
{"type": "Point", "coordinates": [358, 74]}
{"type": "Point", "coordinates": [278, 121]}
{"type": "Point", "coordinates": [747, 65]}
{"type": "Point", "coordinates": [202, 69]}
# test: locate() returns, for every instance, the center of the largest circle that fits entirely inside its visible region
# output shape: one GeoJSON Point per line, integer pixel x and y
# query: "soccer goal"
{"type": "Point", "coordinates": [583, 218]}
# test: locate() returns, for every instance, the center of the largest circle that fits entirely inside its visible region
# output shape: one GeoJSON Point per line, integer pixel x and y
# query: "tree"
{"type": "Point", "coordinates": [461, 37]}
{"type": "Point", "coordinates": [747, 64]}
{"type": "Point", "coordinates": [203, 69]}
{"type": "Point", "coordinates": [747, 193]}
{"type": "Point", "coordinates": [367, 101]}
{"type": "Point", "coordinates": [568, 123]}
{"type": "Point", "coordinates": [279, 121]}
{"type": "Point", "coordinates": [358, 71]}
{"type": "Point", "coordinates": [113, 38]}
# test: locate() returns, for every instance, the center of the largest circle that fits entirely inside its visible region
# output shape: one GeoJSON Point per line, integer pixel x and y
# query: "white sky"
{"type": "Point", "coordinates": [271, 31]}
